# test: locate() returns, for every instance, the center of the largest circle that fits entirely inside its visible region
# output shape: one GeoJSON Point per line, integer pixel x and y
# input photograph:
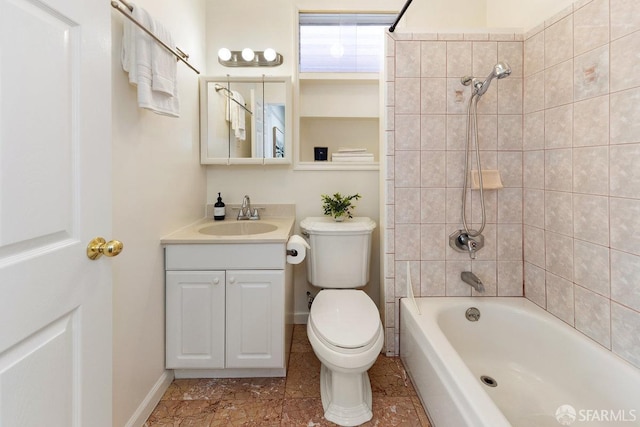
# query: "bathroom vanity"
{"type": "Point", "coordinates": [229, 298]}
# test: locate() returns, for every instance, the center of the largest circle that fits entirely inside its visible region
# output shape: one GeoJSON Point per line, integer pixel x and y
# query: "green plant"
{"type": "Point", "coordinates": [338, 206]}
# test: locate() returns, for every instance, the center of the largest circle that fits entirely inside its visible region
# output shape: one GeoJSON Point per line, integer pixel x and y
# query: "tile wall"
{"type": "Point", "coordinates": [564, 131]}
{"type": "Point", "coordinates": [581, 151]}
{"type": "Point", "coordinates": [426, 138]}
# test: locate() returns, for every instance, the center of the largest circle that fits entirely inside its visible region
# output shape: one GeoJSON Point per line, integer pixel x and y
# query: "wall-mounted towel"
{"type": "Point", "coordinates": [150, 67]}
{"type": "Point", "coordinates": [236, 114]}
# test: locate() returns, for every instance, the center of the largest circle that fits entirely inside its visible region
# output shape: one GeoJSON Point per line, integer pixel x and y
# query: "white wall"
{"type": "Point", "coordinates": [523, 14]}
{"type": "Point", "coordinates": [158, 187]}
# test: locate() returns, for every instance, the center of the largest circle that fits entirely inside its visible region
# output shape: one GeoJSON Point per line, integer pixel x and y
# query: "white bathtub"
{"type": "Point", "coordinates": [540, 364]}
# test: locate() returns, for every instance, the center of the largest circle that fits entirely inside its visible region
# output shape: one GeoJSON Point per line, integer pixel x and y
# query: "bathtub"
{"type": "Point", "coordinates": [546, 374]}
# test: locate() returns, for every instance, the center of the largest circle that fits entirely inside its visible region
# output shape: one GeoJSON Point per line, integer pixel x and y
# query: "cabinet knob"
{"type": "Point", "coordinates": [232, 280]}
{"type": "Point", "coordinates": [216, 281]}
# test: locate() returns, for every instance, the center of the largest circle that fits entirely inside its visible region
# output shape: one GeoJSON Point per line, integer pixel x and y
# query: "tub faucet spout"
{"type": "Point", "coordinates": [472, 280]}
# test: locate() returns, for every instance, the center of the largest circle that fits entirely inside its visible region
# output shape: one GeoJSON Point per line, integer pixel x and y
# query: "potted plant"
{"type": "Point", "coordinates": [339, 206]}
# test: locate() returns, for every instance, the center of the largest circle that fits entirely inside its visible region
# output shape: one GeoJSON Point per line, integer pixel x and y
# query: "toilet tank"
{"type": "Point", "coordinates": [340, 251]}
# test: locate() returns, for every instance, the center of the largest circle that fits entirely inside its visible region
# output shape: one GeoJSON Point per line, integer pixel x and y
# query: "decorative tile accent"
{"type": "Point", "coordinates": [591, 74]}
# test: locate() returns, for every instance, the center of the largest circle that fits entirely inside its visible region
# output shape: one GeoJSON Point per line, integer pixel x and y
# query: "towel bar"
{"type": "Point", "coordinates": [179, 54]}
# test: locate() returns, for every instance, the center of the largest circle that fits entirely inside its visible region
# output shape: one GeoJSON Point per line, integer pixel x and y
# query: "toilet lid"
{"type": "Point", "coordinates": [345, 318]}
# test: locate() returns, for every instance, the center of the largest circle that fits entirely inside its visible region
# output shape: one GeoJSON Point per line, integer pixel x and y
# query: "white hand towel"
{"type": "Point", "coordinates": [163, 63]}
{"type": "Point", "coordinates": [137, 60]}
{"type": "Point", "coordinates": [128, 56]}
{"type": "Point", "coordinates": [238, 117]}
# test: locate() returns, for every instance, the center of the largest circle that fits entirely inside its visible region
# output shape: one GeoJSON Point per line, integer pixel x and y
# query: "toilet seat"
{"type": "Point", "coordinates": [346, 320]}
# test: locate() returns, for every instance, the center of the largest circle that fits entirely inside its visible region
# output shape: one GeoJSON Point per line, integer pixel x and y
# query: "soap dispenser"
{"type": "Point", "coordinates": [218, 209]}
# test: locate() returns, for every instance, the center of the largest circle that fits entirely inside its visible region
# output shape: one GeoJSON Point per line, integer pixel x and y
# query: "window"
{"type": "Point", "coordinates": [342, 42]}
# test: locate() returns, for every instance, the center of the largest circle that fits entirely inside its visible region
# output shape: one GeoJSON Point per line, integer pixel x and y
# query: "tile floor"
{"type": "Point", "coordinates": [291, 401]}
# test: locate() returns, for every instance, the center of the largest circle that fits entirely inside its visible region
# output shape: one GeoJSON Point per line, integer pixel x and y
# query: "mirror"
{"type": "Point", "coordinates": [245, 120]}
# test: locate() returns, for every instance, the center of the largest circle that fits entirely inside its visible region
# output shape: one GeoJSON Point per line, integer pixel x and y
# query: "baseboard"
{"type": "Point", "coordinates": [151, 400]}
{"type": "Point", "coordinates": [300, 318]}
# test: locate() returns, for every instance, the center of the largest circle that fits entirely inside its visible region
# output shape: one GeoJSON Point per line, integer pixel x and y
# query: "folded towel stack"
{"type": "Point", "coordinates": [352, 155]}
{"type": "Point", "coordinates": [150, 66]}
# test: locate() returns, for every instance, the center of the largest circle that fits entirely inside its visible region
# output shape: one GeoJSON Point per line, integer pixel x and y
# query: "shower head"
{"type": "Point", "coordinates": [500, 71]}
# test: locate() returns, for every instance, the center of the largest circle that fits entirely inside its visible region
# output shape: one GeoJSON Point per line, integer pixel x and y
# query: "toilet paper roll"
{"type": "Point", "coordinates": [296, 244]}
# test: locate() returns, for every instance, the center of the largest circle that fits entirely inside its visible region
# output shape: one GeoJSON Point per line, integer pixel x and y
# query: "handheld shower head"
{"type": "Point", "coordinates": [500, 71]}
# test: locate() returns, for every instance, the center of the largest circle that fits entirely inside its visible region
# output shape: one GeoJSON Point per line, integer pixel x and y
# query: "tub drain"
{"type": "Point", "coordinates": [472, 314]}
{"type": "Point", "coordinates": [486, 380]}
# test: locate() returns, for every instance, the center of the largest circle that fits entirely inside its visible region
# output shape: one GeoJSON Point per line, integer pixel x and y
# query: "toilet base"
{"type": "Point", "coordinates": [346, 398]}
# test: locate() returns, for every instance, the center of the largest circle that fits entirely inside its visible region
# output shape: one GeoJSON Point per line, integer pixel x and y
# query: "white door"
{"type": "Point", "coordinates": [55, 196]}
{"type": "Point", "coordinates": [195, 319]}
{"type": "Point", "coordinates": [255, 319]}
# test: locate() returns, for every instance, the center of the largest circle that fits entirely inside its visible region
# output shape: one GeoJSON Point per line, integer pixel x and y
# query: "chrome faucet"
{"type": "Point", "coordinates": [245, 210]}
{"type": "Point", "coordinates": [472, 280]}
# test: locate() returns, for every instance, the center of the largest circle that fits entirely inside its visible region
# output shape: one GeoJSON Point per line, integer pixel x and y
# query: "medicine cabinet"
{"type": "Point", "coordinates": [245, 120]}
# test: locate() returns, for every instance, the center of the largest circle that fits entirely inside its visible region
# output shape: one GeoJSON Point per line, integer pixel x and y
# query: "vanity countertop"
{"type": "Point", "coordinates": [191, 234]}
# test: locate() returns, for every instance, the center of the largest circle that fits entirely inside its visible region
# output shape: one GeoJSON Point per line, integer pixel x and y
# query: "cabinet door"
{"type": "Point", "coordinates": [195, 303]}
{"type": "Point", "coordinates": [255, 319]}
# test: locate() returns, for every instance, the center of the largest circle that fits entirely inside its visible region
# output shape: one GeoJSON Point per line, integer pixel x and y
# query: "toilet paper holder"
{"type": "Point", "coordinates": [292, 252]}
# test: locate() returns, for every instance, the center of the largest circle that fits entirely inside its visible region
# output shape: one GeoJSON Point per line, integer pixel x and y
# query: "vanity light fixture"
{"type": "Point", "coordinates": [249, 58]}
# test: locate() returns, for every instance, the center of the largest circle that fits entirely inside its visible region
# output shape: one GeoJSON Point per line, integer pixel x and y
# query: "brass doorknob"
{"type": "Point", "coordinates": [99, 246]}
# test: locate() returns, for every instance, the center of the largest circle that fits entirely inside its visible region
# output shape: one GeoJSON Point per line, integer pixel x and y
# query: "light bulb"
{"type": "Point", "coordinates": [247, 54]}
{"type": "Point", "coordinates": [224, 54]}
{"type": "Point", "coordinates": [269, 54]}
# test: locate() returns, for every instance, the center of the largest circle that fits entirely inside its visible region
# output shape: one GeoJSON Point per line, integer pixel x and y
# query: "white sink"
{"type": "Point", "coordinates": [240, 228]}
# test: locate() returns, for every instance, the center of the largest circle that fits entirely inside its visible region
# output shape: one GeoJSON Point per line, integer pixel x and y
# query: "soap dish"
{"type": "Point", "coordinates": [490, 180]}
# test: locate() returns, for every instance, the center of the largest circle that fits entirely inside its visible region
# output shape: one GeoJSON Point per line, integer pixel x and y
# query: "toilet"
{"type": "Point", "coordinates": [344, 326]}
